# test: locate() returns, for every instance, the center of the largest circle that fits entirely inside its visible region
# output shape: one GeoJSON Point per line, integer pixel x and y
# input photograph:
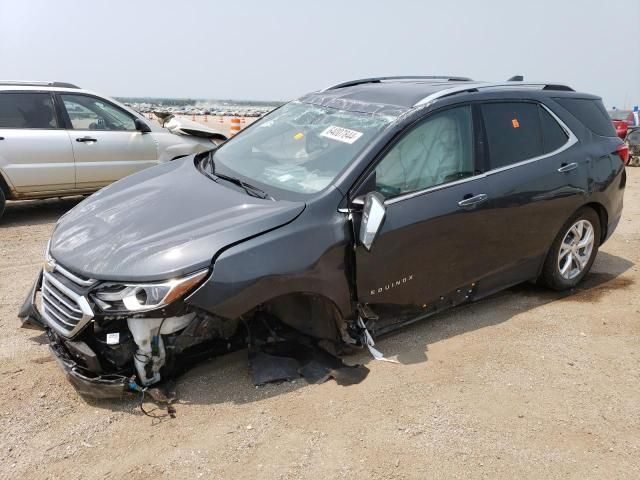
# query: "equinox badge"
{"type": "Point", "coordinates": [396, 283]}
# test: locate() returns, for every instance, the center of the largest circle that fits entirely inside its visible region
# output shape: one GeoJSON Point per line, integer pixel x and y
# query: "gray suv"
{"type": "Point", "coordinates": [344, 215]}
{"type": "Point", "coordinates": [57, 139]}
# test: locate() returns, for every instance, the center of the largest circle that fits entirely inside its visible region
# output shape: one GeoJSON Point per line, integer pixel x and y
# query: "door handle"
{"type": "Point", "coordinates": [567, 167]}
{"type": "Point", "coordinates": [1, 138]}
{"type": "Point", "coordinates": [86, 139]}
{"type": "Point", "coordinates": [473, 201]}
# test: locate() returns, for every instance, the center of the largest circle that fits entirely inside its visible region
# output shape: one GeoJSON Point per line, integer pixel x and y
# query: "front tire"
{"type": "Point", "coordinates": [573, 251]}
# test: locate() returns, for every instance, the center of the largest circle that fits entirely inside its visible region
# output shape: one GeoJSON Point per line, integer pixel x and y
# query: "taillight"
{"type": "Point", "coordinates": [623, 152]}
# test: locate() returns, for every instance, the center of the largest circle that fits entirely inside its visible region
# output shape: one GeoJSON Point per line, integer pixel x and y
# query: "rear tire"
{"type": "Point", "coordinates": [573, 251]}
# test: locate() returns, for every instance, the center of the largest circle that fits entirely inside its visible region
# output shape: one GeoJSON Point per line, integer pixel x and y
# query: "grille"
{"type": "Point", "coordinates": [64, 306]}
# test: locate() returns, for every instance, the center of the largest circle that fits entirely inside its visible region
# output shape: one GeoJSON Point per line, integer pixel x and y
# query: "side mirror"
{"type": "Point", "coordinates": [373, 215]}
{"type": "Point", "coordinates": [141, 126]}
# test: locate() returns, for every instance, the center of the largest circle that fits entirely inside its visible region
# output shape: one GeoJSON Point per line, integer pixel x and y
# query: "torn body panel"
{"type": "Point", "coordinates": [183, 126]}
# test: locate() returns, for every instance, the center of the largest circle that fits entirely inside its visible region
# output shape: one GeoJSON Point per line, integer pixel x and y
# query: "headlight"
{"type": "Point", "coordinates": [141, 297]}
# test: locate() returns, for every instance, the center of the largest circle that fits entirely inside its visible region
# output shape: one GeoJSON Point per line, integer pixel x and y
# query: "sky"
{"type": "Point", "coordinates": [281, 49]}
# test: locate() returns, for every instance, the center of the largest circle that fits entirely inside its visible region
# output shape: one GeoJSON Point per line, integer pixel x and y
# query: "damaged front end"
{"type": "Point", "coordinates": [112, 338]}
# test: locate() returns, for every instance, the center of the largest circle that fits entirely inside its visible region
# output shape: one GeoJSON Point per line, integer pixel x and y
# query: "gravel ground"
{"type": "Point", "coordinates": [526, 384]}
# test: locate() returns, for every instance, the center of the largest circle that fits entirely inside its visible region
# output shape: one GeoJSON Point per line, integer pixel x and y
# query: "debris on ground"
{"type": "Point", "coordinates": [288, 355]}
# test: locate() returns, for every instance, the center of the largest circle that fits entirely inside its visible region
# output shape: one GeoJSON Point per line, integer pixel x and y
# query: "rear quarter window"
{"type": "Point", "coordinates": [553, 135]}
{"type": "Point", "coordinates": [591, 113]}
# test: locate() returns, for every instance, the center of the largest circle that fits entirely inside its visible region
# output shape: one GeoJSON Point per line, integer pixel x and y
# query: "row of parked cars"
{"type": "Point", "coordinates": [224, 112]}
{"type": "Point", "coordinates": [345, 214]}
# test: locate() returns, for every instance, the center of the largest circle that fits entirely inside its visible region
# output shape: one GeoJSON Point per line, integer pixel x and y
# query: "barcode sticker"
{"type": "Point", "coordinates": [113, 338]}
{"type": "Point", "coordinates": [341, 134]}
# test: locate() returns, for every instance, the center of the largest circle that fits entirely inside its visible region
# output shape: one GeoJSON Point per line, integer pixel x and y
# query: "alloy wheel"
{"type": "Point", "coordinates": [576, 249]}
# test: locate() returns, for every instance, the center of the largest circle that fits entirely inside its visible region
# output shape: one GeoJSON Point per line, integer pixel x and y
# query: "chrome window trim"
{"type": "Point", "coordinates": [571, 140]}
{"type": "Point", "coordinates": [478, 85]}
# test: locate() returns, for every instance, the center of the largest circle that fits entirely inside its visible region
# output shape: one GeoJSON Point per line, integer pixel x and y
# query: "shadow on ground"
{"type": "Point", "coordinates": [226, 379]}
{"type": "Point", "coordinates": [36, 212]}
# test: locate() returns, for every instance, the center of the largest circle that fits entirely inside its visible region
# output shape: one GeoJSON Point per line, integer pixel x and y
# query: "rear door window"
{"type": "Point", "coordinates": [27, 110]}
{"type": "Point", "coordinates": [553, 135]}
{"type": "Point", "coordinates": [513, 132]}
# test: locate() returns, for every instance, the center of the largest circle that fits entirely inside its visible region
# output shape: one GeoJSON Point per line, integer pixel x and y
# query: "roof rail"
{"type": "Point", "coordinates": [478, 86]}
{"type": "Point", "coordinates": [351, 83]}
{"type": "Point", "coordinates": [19, 83]}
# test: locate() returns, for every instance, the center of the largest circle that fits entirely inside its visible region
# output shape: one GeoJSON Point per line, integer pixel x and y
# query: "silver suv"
{"type": "Point", "coordinates": [57, 139]}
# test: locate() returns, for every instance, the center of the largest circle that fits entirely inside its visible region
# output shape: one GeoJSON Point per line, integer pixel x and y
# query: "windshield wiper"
{"type": "Point", "coordinates": [247, 187]}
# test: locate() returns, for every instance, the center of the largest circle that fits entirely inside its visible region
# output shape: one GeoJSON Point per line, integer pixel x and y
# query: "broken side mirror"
{"type": "Point", "coordinates": [141, 126]}
{"type": "Point", "coordinates": [373, 215]}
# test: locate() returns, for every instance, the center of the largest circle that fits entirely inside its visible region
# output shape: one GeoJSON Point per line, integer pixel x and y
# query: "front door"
{"type": "Point", "coordinates": [106, 144]}
{"type": "Point", "coordinates": [431, 247]}
{"type": "Point", "coordinates": [35, 151]}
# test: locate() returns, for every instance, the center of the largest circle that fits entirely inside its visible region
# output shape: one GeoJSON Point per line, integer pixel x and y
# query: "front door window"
{"type": "Point", "coordinates": [90, 113]}
{"type": "Point", "coordinates": [436, 152]}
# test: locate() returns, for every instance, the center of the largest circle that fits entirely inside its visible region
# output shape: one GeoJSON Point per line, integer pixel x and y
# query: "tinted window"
{"type": "Point", "coordinates": [89, 113]}
{"type": "Point", "coordinates": [513, 132]}
{"type": "Point", "coordinates": [435, 152]}
{"type": "Point", "coordinates": [553, 135]}
{"type": "Point", "coordinates": [590, 112]}
{"type": "Point", "coordinates": [27, 110]}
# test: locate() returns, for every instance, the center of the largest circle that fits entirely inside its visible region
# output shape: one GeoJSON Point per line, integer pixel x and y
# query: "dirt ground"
{"type": "Point", "coordinates": [526, 384]}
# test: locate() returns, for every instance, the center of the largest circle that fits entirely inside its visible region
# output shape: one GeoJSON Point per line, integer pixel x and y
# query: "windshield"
{"type": "Point", "coordinates": [300, 147]}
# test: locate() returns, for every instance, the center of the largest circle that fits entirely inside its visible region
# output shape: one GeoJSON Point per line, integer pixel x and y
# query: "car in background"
{"type": "Point", "coordinates": [346, 214]}
{"type": "Point", "coordinates": [621, 120]}
{"type": "Point", "coordinates": [633, 143]}
{"type": "Point", "coordinates": [57, 139]}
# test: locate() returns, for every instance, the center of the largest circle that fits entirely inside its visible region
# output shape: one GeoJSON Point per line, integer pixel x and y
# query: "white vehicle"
{"type": "Point", "coordinates": [57, 139]}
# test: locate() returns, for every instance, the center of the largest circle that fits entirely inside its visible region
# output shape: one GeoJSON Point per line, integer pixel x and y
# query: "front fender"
{"type": "Point", "coordinates": [297, 258]}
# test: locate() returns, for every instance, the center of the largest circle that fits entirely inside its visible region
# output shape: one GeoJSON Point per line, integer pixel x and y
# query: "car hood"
{"type": "Point", "coordinates": [160, 223]}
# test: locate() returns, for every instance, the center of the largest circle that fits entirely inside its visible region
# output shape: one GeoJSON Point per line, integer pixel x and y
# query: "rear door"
{"type": "Point", "coordinates": [106, 144]}
{"type": "Point", "coordinates": [535, 182]}
{"type": "Point", "coordinates": [35, 151]}
{"type": "Point", "coordinates": [432, 245]}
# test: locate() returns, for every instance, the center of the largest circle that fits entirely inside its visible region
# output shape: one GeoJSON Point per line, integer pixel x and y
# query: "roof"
{"type": "Point", "coordinates": [30, 83]}
{"type": "Point", "coordinates": [391, 97]}
{"type": "Point", "coordinates": [397, 95]}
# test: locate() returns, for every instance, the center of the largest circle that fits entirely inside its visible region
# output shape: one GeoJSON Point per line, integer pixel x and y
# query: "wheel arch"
{"type": "Point", "coordinates": [4, 186]}
{"type": "Point", "coordinates": [603, 215]}
{"type": "Point", "coordinates": [310, 313]}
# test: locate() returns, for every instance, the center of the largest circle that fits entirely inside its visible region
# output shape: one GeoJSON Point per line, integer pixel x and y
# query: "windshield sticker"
{"type": "Point", "coordinates": [341, 134]}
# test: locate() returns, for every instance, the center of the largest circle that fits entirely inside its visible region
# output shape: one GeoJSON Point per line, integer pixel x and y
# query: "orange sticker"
{"type": "Point", "coordinates": [515, 123]}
